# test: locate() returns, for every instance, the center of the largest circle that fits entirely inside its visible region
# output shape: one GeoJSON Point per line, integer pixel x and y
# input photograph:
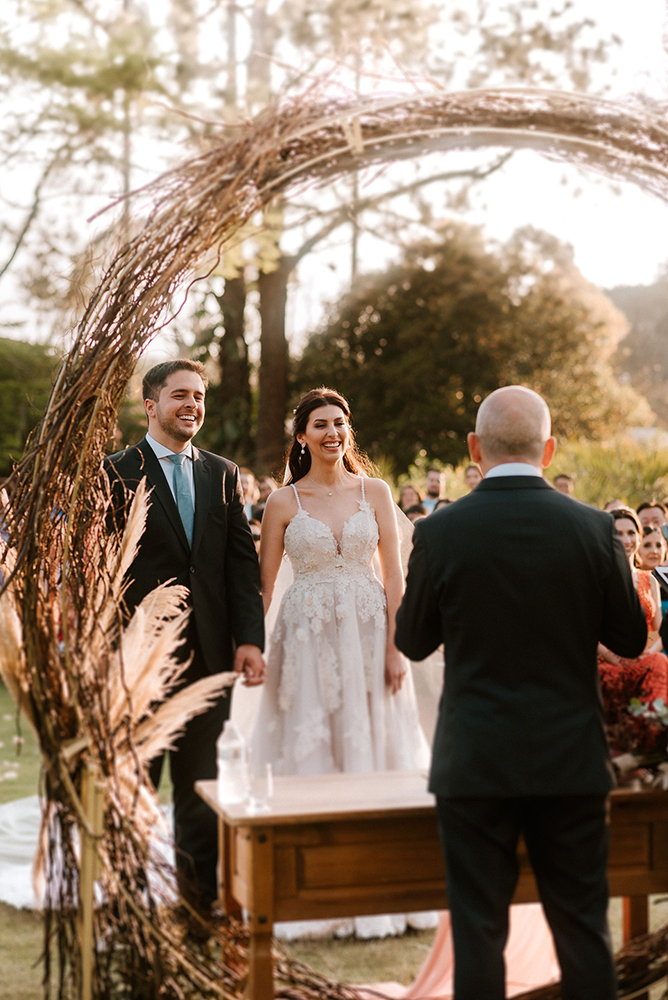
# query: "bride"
{"type": "Point", "coordinates": [339, 695]}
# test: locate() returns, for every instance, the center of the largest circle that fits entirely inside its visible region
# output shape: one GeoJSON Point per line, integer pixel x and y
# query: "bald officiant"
{"type": "Point", "coordinates": [520, 746]}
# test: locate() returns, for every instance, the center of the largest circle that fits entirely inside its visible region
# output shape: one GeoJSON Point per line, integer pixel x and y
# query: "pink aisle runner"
{"type": "Point", "coordinates": [530, 958]}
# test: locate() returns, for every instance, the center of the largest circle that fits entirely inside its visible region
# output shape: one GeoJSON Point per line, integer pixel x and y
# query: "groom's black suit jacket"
{"type": "Point", "coordinates": [520, 583]}
{"type": "Point", "coordinates": [221, 572]}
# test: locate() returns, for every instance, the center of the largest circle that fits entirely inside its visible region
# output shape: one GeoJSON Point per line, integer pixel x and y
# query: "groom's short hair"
{"type": "Point", "coordinates": [155, 378]}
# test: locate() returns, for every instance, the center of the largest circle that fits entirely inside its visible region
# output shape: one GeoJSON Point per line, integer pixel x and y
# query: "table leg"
{"type": "Point", "coordinates": [229, 904]}
{"type": "Point", "coordinates": [260, 967]}
{"type": "Point", "coordinates": [635, 916]}
{"type": "Point", "coordinates": [635, 922]}
{"type": "Point", "coordinates": [260, 913]}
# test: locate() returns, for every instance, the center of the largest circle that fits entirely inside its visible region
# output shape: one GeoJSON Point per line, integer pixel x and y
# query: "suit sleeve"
{"type": "Point", "coordinates": [624, 626]}
{"type": "Point", "coordinates": [418, 618]}
{"type": "Point", "coordinates": [242, 575]}
{"type": "Point", "coordinates": [663, 631]}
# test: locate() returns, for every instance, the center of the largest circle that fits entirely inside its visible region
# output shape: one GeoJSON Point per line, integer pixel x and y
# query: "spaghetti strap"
{"type": "Point", "coordinates": [362, 485]}
{"type": "Point", "coordinates": [297, 495]}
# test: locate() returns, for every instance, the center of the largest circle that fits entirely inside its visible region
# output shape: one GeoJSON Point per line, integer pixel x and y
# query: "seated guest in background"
{"type": "Point", "coordinates": [651, 514]}
{"type": "Point", "coordinates": [652, 553]}
{"type": "Point", "coordinates": [443, 502]}
{"type": "Point", "coordinates": [256, 532]}
{"type": "Point", "coordinates": [416, 512]}
{"type": "Point", "coordinates": [434, 487]}
{"type": "Point", "coordinates": [249, 486]}
{"type": "Point", "coordinates": [564, 484]}
{"type": "Point", "coordinates": [652, 662]}
{"type": "Point", "coordinates": [409, 497]}
{"type": "Point", "coordinates": [472, 476]}
{"type": "Point", "coordinates": [265, 487]}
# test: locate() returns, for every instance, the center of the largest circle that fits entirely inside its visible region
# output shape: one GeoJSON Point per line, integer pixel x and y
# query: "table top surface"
{"type": "Point", "coordinates": [321, 797]}
{"type": "Point", "coordinates": [350, 796]}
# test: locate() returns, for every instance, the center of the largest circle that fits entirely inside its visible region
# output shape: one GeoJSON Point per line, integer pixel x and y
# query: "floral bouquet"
{"type": "Point", "coordinates": [636, 726]}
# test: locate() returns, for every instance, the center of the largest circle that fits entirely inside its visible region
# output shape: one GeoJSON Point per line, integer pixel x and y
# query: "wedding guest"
{"type": "Point", "coordinates": [265, 487]}
{"type": "Point", "coordinates": [651, 514]}
{"type": "Point", "coordinates": [249, 487]}
{"type": "Point", "coordinates": [652, 663]}
{"type": "Point", "coordinates": [409, 497]}
{"type": "Point", "coordinates": [443, 502]}
{"type": "Point", "coordinates": [256, 532]}
{"type": "Point", "coordinates": [472, 476]}
{"type": "Point", "coordinates": [416, 512]}
{"type": "Point", "coordinates": [196, 535]}
{"type": "Point", "coordinates": [434, 487]}
{"type": "Point", "coordinates": [564, 484]}
{"type": "Point", "coordinates": [652, 553]}
{"type": "Point", "coordinates": [614, 505]}
{"type": "Point", "coordinates": [652, 550]}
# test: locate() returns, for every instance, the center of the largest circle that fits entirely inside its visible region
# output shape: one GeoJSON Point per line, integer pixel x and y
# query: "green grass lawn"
{"type": "Point", "coordinates": [20, 949]}
{"type": "Point", "coordinates": [20, 759]}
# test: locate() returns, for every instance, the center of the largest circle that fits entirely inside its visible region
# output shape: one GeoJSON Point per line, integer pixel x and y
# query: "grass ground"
{"type": "Point", "coordinates": [20, 759]}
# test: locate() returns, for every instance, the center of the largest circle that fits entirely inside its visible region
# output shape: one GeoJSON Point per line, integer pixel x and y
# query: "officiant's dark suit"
{"type": "Point", "coordinates": [520, 583]}
{"type": "Point", "coordinates": [220, 570]}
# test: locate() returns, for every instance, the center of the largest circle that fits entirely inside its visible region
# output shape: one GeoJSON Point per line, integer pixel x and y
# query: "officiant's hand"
{"type": "Point", "coordinates": [395, 669]}
{"type": "Point", "coordinates": [250, 662]}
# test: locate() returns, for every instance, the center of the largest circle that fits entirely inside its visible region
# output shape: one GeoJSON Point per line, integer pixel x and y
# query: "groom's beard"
{"type": "Point", "coordinates": [171, 426]}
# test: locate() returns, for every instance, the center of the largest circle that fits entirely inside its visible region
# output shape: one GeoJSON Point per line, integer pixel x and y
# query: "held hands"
{"type": "Point", "coordinates": [250, 662]}
{"type": "Point", "coordinates": [395, 669]}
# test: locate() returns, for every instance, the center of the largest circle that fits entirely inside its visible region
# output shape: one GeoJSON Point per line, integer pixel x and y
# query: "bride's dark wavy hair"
{"type": "Point", "coordinates": [298, 465]}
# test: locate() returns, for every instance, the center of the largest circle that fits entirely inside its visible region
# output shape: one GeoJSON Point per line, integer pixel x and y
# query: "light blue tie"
{"type": "Point", "coordinates": [184, 497]}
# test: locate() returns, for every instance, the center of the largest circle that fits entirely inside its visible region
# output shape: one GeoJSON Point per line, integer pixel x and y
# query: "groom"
{"type": "Point", "coordinates": [520, 582]}
{"type": "Point", "coordinates": [196, 535]}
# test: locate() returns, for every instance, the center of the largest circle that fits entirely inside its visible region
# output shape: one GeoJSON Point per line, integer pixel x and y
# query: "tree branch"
{"type": "Point", "coordinates": [30, 218]}
{"type": "Point", "coordinates": [342, 215]}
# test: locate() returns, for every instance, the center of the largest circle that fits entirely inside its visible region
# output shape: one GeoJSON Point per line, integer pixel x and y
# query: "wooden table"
{"type": "Point", "coordinates": [339, 845]}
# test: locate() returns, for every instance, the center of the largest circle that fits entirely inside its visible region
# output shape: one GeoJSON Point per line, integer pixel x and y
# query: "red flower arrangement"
{"type": "Point", "coordinates": [636, 725]}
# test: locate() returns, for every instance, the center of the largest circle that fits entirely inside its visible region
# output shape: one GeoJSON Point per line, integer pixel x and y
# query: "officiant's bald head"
{"type": "Point", "coordinates": [513, 425]}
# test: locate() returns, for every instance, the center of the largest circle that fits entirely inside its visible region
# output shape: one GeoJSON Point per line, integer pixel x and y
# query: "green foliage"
{"type": "Point", "coordinates": [610, 470]}
{"type": "Point", "coordinates": [416, 348]}
{"type": "Point", "coordinates": [26, 372]}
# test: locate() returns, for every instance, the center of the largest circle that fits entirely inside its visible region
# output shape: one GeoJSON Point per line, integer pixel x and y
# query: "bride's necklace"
{"type": "Point", "coordinates": [322, 485]}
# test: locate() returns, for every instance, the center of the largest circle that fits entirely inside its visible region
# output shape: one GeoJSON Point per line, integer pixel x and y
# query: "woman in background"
{"type": "Point", "coordinates": [653, 663]}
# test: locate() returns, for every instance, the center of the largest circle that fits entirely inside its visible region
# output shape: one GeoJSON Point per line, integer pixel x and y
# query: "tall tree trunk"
{"type": "Point", "coordinates": [273, 381]}
{"type": "Point", "coordinates": [233, 394]}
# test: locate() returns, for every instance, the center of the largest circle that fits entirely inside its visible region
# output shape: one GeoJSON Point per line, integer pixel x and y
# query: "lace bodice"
{"type": "Point", "coordinates": [312, 547]}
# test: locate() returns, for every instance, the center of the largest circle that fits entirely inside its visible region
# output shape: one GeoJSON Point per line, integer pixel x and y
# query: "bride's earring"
{"type": "Point", "coordinates": [303, 450]}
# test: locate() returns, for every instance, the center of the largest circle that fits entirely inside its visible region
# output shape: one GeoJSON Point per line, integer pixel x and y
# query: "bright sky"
{"type": "Point", "coordinates": [619, 235]}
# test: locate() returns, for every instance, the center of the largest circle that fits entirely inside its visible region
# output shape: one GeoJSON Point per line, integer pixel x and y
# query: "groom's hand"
{"type": "Point", "coordinates": [250, 662]}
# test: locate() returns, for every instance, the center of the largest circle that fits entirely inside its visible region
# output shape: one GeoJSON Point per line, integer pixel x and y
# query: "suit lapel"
{"type": "Point", "coordinates": [202, 476]}
{"type": "Point", "coordinates": [156, 478]}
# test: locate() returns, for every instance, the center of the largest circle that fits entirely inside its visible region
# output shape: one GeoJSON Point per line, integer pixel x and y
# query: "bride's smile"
{"type": "Point", "coordinates": [327, 434]}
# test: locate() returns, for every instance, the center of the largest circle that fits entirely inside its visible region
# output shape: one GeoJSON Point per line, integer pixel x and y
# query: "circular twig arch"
{"type": "Point", "coordinates": [58, 503]}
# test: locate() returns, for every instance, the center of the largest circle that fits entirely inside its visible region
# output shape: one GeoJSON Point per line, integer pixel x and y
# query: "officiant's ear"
{"type": "Point", "coordinates": [548, 454]}
{"type": "Point", "coordinates": [473, 441]}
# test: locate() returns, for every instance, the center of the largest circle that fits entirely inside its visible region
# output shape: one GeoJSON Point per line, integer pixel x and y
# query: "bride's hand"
{"type": "Point", "coordinates": [395, 669]}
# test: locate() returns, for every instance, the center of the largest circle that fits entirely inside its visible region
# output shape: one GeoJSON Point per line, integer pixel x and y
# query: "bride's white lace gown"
{"type": "Point", "coordinates": [325, 705]}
